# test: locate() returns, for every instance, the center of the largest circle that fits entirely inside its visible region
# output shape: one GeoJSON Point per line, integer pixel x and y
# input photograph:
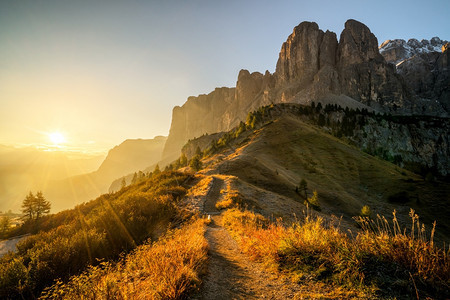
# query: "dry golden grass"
{"type": "Point", "coordinates": [167, 269]}
{"type": "Point", "coordinates": [230, 197]}
{"type": "Point", "coordinates": [201, 188]}
{"type": "Point", "coordinates": [376, 263]}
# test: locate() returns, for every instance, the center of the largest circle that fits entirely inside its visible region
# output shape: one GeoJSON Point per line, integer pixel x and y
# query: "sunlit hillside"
{"type": "Point", "coordinates": [129, 156]}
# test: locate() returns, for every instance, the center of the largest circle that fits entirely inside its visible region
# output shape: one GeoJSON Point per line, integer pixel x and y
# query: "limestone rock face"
{"type": "Point", "coordinates": [327, 50]}
{"type": "Point", "coordinates": [299, 55]}
{"type": "Point", "coordinates": [424, 67]}
{"type": "Point", "coordinates": [199, 115]}
{"type": "Point", "coordinates": [442, 83]}
{"type": "Point", "coordinates": [247, 87]}
{"type": "Point", "coordinates": [357, 44]}
{"type": "Point", "coordinates": [363, 73]}
{"type": "Point", "coordinates": [396, 51]}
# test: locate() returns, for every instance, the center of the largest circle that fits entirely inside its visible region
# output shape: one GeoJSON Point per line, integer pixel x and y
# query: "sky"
{"type": "Point", "coordinates": [100, 72]}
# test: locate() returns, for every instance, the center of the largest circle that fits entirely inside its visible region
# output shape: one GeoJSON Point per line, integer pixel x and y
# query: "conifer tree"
{"type": "Point", "coordinates": [195, 163]}
{"type": "Point", "coordinates": [157, 170]}
{"type": "Point", "coordinates": [183, 160]}
{"type": "Point", "coordinates": [304, 187]}
{"type": "Point", "coordinates": [198, 151]}
{"type": "Point", "coordinates": [42, 206]}
{"type": "Point", "coordinates": [28, 207]}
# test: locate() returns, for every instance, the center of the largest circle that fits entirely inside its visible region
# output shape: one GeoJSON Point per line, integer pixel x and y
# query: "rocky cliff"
{"type": "Point", "coordinates": [132, 155]}
{"type": "Point", "coordinates": [312, 66]}
{"type": "Point", "coordinates": [424, 66]}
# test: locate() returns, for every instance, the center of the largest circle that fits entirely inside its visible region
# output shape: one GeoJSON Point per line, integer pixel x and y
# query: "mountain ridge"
{"type": "Point", "coordinates": [312, 66]}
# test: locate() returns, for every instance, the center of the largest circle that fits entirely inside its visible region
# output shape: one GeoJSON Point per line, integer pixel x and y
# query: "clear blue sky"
{"type": "Point", "coordinates": [104, 71]}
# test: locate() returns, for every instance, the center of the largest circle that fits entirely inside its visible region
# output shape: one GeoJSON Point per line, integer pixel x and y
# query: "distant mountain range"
{"type": "Point", "coordinates": [67, 182]}
{"type": "Point", "coordinates": [129, 156]}
{"type": "Point", "coordinates": [25, 169]}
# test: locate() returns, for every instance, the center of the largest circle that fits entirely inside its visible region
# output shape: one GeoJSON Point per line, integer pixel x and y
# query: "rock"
{"type": "Point", "coordinates": [199, 115]}
{"type": "Point", "coordinates": [247, 87]}
{"type": "Point", "coordinates": [327, 50]}
{"type": "Point", "coordinates": [356, 44]}
{"type": "Point", "coordinates": [364, 75]}
{"type": "Point", "coordinates": [299, 56]}
{"type": "Point", "coordinates": [423, 65]}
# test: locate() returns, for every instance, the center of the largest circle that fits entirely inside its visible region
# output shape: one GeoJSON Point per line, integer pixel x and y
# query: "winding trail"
{"type": "Point", "coordinates": [230, 274]}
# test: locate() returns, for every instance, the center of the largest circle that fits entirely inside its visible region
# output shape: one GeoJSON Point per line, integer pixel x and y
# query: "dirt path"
{"type": "Point", "coordinates": [10, 245]}
{"type": "Point", "coordinates": [209, 206]}
{"type": "Point", "coordinates": [230, 274]}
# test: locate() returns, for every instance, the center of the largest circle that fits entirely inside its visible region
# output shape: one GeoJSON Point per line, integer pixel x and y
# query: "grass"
{"type": "Point", "coordinates": [167, 269]}
{"type": "Point", "coordinates": [101, 229]}
{"type": "Point", "coordinates": [381, 261]}
{"type": "Point", "coordinates": [230, 198]}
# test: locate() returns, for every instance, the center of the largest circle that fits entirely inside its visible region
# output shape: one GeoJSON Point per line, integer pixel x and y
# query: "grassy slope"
{"type": "Point", "coordinates": [278, 155]}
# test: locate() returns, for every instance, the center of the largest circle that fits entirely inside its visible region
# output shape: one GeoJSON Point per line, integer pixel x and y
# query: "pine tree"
{"type": "Point", "coordinates": [198, 151]}
{"type": "Point", "coordinates": [28, 207]}
{"type": "Point", "coordinates": [183, 160]}
{"type": "Point", "coordinates": [123, 184]}
{"type": "Point", "coordinates": [42, 206]}
{"type": "Point", "coordinates": [5, 224]}
{"type": "Point", "coordinates": [157, 170]}
{"type": "Point", "coordinates": [195, 163]}
{"type": "Point", "coordinates": [304, 187]}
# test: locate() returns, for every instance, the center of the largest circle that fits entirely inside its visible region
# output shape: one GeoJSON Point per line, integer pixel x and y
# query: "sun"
{"type": "Point", "coordinates": [56, 137]}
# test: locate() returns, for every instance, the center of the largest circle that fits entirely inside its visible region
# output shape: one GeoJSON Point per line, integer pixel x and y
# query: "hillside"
{"type": "Point", "coordinates": [286, 147]}
{"type": "Point", "coordinates": [129, 156]}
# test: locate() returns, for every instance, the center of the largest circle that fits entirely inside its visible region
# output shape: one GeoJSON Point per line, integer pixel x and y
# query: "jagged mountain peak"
{"type": "Point", "coordinates": [313, 65]}
{"type": "Point", "coordinates": [398, 50]}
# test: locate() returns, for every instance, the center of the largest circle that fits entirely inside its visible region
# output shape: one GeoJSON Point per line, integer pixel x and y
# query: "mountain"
{"type": "Point", "coordinates": [129, 156]}
{"type": "Point", "coordinates": [398, 50]}
{"type": "Point", "coordinates": [312, 66]}
{"type": "Point", "coordinates": [425, 67]}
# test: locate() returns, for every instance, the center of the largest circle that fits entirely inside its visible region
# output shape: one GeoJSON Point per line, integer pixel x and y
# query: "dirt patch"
{"type": "Point", "coordinates": [10, 245]}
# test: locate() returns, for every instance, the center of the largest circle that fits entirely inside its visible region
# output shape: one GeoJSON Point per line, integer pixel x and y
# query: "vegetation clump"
{"type": "Point", "coordinates": [104, 228]}
{"type": "Point", "coordinates": [231, 198]}
{"type": "Point", "coordinates": [166, 269]}
{"type": "Point", "coordinates": [381, 261]}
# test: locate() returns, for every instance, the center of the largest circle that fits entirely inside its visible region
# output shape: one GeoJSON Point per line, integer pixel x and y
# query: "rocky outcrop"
{"type": "Point", "coordinates": [396, 51]}
{"type": "Point", "coordinates": [424, 66]}
{"type": "Point", "coordinates": [199, 115]}
{"type": "Point", "coordinates": [312, 66]}
{"type": "Point", "coordinates": [131, 156]}
{"type": "Point", "coordinates": [299, 55]}
{"type": "Point", "coordinates": [363, 73]}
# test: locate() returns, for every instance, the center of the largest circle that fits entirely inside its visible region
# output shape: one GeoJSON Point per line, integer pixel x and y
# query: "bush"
{"type": "Point", "coordinates": [167, 269]}
{"type": "Point", "coordinates": [365, 211]}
